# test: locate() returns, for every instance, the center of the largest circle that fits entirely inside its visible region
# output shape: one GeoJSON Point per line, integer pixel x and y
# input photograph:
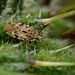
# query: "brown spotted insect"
{"type": "Point", "coordinates": [22, 31]}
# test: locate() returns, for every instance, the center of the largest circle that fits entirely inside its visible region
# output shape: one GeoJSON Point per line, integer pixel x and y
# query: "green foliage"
{"type": "Point", "coordinates": [30, 21]}
{"type": "Point", "coordinates": [17, 56]}
{"type": "Point", "coordinates": [13, 73]}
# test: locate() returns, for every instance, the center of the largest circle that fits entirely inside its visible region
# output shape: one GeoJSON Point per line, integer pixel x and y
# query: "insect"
{"type": "Point", "coordinates": [22, 31]}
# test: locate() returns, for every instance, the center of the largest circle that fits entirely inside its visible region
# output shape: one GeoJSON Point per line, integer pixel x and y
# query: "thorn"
{"type": "Point", "coordinates": [40, 13]}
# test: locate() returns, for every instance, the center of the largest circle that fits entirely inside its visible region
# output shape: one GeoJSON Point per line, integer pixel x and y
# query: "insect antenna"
{"type": "Point", "coordinates": [47, 36]}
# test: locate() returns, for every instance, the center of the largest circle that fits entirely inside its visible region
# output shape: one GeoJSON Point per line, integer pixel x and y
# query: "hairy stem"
{"type": "Point", "coordinates": [42, 63]}
{"type": "Point", "coordinates": [50, 20]}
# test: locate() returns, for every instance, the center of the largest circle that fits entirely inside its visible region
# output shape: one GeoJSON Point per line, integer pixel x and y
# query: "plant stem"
{"type": "Point", "coordinates": [50, 20]}
{"type": "Point", "coordinates": [42, 63]}
{"type": "Point", "coordinates": [69, 31]}
{"type": "Point", "coordinates": [67, 8]}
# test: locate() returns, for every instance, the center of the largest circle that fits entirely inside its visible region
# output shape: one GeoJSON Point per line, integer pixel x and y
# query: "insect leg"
{"type": "Point", "coordinates": [35, 42]}
{"type": "Point", "coordinates": [30, 44]}
{"type": "Point", "coordinates": [44, 42]}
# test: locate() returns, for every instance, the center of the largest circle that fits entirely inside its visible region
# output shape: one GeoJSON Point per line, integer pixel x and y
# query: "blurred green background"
{"type": "Point", "coordinates": [15, 60]}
